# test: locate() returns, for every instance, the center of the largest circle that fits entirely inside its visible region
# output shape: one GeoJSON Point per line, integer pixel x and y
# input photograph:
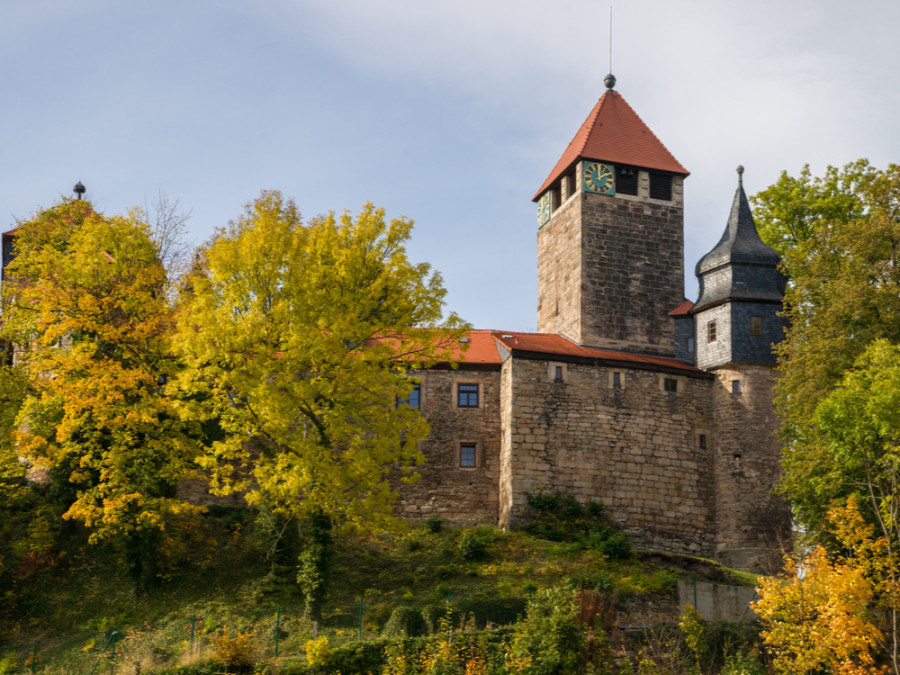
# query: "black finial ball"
{"type": "Point", "coordinates": [79, 189]}
{"type": "Point", "coordinates": [609, 81]}
{"type": "Point", "coordinates": [740, 170]}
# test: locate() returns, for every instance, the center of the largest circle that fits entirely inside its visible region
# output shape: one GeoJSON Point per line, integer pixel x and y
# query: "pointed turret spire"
{"type": "Point", "coordinates": [753, 264]}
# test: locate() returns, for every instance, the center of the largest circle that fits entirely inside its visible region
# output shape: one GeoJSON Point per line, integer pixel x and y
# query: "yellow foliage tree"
{"type": "Point", "coordinates": [85, 305]}
{"type": "Point", "coordinates": [297, 338]}
{"type": "Point", "coordinates": [816, 616]}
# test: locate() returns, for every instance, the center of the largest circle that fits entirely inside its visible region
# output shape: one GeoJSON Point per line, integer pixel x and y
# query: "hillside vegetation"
{"type": "Point", "coordinates": [227, 579]}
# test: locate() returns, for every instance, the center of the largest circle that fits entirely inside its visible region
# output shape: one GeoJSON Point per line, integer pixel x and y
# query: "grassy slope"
{"type": "Point", "coordinates": [222, 582]}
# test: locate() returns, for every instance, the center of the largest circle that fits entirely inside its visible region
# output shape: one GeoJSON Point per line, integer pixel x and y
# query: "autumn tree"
{"type": "Point", "coordinates": [85, 305]}
{"type": "Point", "coordinates": [298, 337]}
{"type": "Point", "coordinates": [815, 617]}
{"type": "Point", "coordinates": [839, 236]}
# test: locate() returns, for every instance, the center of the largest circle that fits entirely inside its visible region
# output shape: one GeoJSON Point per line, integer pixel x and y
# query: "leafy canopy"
{"type": "Point", "coordinates": [839, 236]}
{"type": "Point", "coordinates": [297, 337]}
{"type": "Point", "coordinates": [85, 307]}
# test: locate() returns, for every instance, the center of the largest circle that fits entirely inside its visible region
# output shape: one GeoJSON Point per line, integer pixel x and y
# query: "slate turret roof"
{"type": "Point", "coordinates": [741, 266]}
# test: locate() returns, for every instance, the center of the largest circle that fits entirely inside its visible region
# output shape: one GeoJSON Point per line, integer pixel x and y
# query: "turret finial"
{"type": "Point", "coordinates": [740, 173]}
{"type": "Point", "coordinates": [79, 189]}
{"type": "Point", "coordinates": [609, 81]}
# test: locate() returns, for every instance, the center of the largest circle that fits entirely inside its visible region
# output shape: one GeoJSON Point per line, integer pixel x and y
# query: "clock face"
{"type": "Point", "coordinates": [544, 209]}
{"type": "Point", "coordinates": [599, 178]}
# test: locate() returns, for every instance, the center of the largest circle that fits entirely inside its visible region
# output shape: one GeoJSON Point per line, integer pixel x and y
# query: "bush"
{"type": "Point", "coordinates": [473, 544]}
{"type": "Point", "coordinates": [235, 653]}
{"type": "Point", "coordinates": [404, 622]}
{"type": "Point", "coordinates": [359, 658]}
{"type": "Point", "coordinates": [318, 653]}
{"type": "Point", "coordinates": [548, 641]}
{"type": "Point", "coordinates": [434, 524]}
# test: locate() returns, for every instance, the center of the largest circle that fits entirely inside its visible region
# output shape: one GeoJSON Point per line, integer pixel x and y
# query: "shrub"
{"type": "Point", "coordinates": [318, 653]}
{"type": "Point", "coordinates": [434, 524]}
{"type": "Point", "coordinates": [473, 544]}
{"type": "Point", "coordinates": [359, 658]}
{"type": "Point", "coordinates": [548, 641]}
{"type": "Point", "coordinates": [8, 665]}
{"type": "Point", "coordinates": [404, 622]}
{"type": "Point", "coordinates": [235, 653]}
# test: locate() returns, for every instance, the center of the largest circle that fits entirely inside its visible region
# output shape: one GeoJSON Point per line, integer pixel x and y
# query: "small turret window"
{"type": "Point", "coordinates": [711, 331]}
{"type": "Point", "coordinates": [756, 326]}
{"type": "Point", "coordinates": [660, 186]}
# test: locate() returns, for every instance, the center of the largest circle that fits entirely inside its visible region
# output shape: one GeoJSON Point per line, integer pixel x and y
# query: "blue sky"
{"type": "Point", "coordinates": [449, 113]}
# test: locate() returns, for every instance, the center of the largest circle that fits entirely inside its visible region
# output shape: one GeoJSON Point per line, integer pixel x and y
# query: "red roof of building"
{"type": "Point", "coordinates": [613, 132]}
{"type": "Point", "coordinates": [683, 309]}
{"type": "Point", "coordinates": [552, 344]}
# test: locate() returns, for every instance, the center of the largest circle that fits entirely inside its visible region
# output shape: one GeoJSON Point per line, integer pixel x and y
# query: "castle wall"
{"type": "Point", "coordinates": [632, 270]}
{"type": "Point", "coordinates": [752, 522]}
{"type": "Point", "coordinates": [457, 494]}
{"type": "Point", "coordinates": [559, 271]}
{"type": "Point", "coordinates": [636, 448]}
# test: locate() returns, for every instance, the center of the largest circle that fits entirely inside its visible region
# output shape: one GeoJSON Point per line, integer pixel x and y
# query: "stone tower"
{"type": "Point", "coordinates": [611, 235]}
{"type": "Point", "coordinates": [736, 324]}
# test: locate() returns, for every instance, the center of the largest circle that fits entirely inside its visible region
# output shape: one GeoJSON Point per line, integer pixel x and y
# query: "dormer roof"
{"type": "Point", "coordinates": [613, 132]}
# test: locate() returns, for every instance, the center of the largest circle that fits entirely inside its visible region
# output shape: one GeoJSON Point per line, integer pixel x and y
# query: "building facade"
{"type": "Point", "coordinates": [659, 407]}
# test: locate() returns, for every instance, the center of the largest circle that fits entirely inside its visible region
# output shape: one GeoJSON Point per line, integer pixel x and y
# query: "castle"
{"type": "Point", "coordinates": [629, 394]}
{"type": "Point", "coordinates": [659, 407]}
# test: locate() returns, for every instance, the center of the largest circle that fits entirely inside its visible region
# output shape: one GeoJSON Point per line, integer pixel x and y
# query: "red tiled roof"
{"type": "Point", "coordinates": [556, 345]}
{"type": "Point", "coordinates": [482, 349]}
{"type": "Point", "coordinates": [613, 132]}
{"type": "Point", "coordinates": [683, 309]}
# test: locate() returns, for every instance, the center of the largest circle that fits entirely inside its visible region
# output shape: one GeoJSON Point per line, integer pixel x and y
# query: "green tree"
{"type": "Point", "coordinates": [87, 309]}
{"type": "Point", "coordinates": [298, 337]}
{"type": "Point", "coordinates": [840, 237]}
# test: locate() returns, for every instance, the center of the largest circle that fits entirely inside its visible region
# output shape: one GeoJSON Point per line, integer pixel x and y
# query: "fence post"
{"type": "Point", "coordinates": [112, 658]}
{"type": "Point", "coordinates": [277, 624]}
{"type": "Point", "coordinates": [315, 630]}
{"type": "Point", "coordinates": [193, 618]}
{"type": "Point", "coordinates": [33, 657]}
{"type": "Point", "coordinates": [360, 616]}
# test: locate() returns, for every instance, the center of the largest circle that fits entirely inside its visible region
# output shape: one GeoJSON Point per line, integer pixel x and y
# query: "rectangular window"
{"type": "Point", "coordinates": [690, 345]}
{"type": "Point", "coordinates": [626, 181]}
{"type": "Point", "coordinates": [670, 385]}
{"type": "Point", "coordinates": [413, 399]}
{"type": "Point", "coordinates": [660, 186]}
{"type": "Point", "coordinates": [702, 441]}
{"type": "Point", "coordinates": [735, 386]}
{"type": "Point", "coordinates": [756, 326]}
{"type": "Point", "coordinates": [467, 455]}
{"type": "Point", "coordinates": [617, 379]}
{"type": "Point", "coordinates": [559, 374]}
{"type": "Point", "coordinates": [467, 395]}
{"type": "Point", "coordinates": [711, 331]}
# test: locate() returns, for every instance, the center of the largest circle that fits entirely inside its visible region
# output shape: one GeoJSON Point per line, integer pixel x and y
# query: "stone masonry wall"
{"type": "Point", "coordinates": [559, 271]}
{"type": "Point", "coordinates": [459, 495]}
{"type": "Point", "coordinates": [636, 448]}
{"type": "Point", "coordinates": [753, 523]}
{"type": "Point", "coordinates": [632, 270]}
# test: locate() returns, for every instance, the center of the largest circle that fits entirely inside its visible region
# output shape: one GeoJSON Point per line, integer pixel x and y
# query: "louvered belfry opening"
{"type": "Point", "coordinates": [660, 186]}
{"type": "Point", "coordinates": [626, 180]}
